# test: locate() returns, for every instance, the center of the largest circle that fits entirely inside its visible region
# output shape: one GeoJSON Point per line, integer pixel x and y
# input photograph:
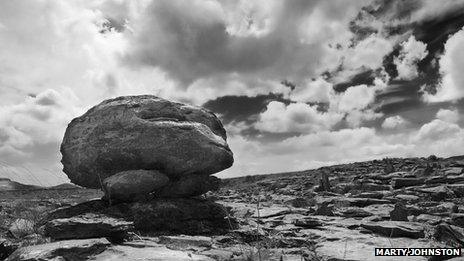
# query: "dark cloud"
{"type": "Point", "coordinates": [366, 77]}
{"type": "Point", "coordinates": [242, 108]}
{"type": "Point", "coordinates": [192, 43]}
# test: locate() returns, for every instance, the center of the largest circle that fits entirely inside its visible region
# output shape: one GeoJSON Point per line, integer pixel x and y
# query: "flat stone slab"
{"type": "Point", "coordinates": [395, 229]}
{"type": "Point", "coordinates": [101, 250]}
{"type": "Point", "coordinates": [88, 226]}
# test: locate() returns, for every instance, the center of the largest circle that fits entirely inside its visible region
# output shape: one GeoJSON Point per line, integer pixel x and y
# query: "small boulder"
{"type": "Point", "coordinates": [21, 227]}
{"type": "Point", "coordinates": [128, 185]}
{"type": "Point", "coordinates": [190, 186]}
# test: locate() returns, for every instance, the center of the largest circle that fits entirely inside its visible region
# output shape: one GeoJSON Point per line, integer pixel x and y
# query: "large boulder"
{"type": "Point", "coordinates": [143, 132]}
{"type": "Point", "coordinates": [131, 184]}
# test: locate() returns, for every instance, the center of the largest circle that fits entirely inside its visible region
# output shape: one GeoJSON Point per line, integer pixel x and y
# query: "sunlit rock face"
{"type": "Point", "coordinates": [144, 133]}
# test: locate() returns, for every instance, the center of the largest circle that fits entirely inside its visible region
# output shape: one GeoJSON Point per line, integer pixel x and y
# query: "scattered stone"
{"type": "Point", "coordinates": [399, 213]}
{"type": "Point", "coordinates": [307, 223]}
{"type": "Point", "coordinates": [325, 209]}
{"type": "Point", "coordinates": [458, 189]}
{"type": "Point", "coordinates": [436, 180]}
{"type": "Point", "coordinates": [388, 177]}
{"type": "Point", "coordinates": [6, 248]}
{"type": "Point", "coordinates": [354, 213]}
{"type": "Point", "coordinates": [362, 202]}
{"type": "Point", "coordinates": [62, 250]}
{"type": "Point", "coordinates": [370, 186]}
{"type": "Point", "coordinates": [185, 242]}
{"type": "Point", "coordinates": [426, 218]}
{"type": "Point", "coordinates": [437, 193]}
{"type": "Point", "coordinates": [395, 229]}
{"type": "Point", "coordinates": [219, 254]}
{"type": "Point", "coordinates": [389, 167]}
{"type": "Point", "coordinates": [324, 184]}
{"type": "Point", "coordinates": [374, 195]}
{"type": "Point", "coordinates": [451, 235]}
{"type": "Point", "coordinates": [398, 183]}
{"type": "Point", "coordinates": [21, 228]}
{"type": "Point", "coordinates": [458, 219]}
{"type": "Point", "coordinates": [299, 202]}
{"type": "Point", "coordinates": [453, 171]}
{"type": "Point", "coordinates": [443, 208]}
{"type": "Point", "coordinates": [406, 198]}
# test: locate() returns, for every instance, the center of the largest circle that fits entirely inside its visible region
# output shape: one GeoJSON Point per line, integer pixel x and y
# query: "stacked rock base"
{"type": "Point", "coordinates": [94, 219]}
{"type": "Point", "coordinates": [152, 158]}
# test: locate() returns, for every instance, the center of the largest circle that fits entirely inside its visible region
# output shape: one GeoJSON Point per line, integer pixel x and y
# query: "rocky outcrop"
{"type": "Point", "coordinates": [166, 216]}
{"type": "Point", "coordinates": [101, 249]}
{"type": "Point", "coordinates": [143, 133]}
{"type": "Point", "coordinates": [152, 158]}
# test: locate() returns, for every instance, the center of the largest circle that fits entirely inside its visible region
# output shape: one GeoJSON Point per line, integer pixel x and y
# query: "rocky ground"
{"type": "Point", "coordinates": [333, 213]}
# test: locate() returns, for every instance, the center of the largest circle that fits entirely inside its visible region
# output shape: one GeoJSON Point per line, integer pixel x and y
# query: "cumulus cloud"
{"type": "Point", "coordinates": [317, 90]}
{"type": "Point", "coordinates": [411, 52]}
{"type": "Point", "coordinates": [437, 130]}
{"type": "Point", "coordinates": [450, 116]}
{"type": "Point", "coordinates": [267, 39]}
{"type": "Point", "coordinates": [394, 122]}
{"type": "Point", "coordinates": [324, 148]}
{"type": "Point", "coordinates": [451, 64]}
{"type": "Point", "coordinates": [368, 53]}
{"type": "Point", "coordinates": [295, 117]}
{"type": "Point", "coordinates": [356, 98]}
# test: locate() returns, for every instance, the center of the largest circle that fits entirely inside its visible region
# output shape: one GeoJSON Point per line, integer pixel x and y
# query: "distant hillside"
{"type": "Point", "coordinates": [7, 184]}
{"type": "Point", "coordinates": [373, 166]}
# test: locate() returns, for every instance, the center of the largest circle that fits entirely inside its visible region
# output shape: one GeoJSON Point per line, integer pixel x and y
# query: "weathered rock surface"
{"type": "Point", "coordinates": [100, 249]}
{"type": "Point", "coordinates": [21, 227]}
{"type": "Point", "coordinates": [451, 235]}
{"type": "Point", "coordinates": [283, 217]}
{"type": "Point", "coordinates": [399, 213]}
{"type": "Point", "coordinates": [185, 216]}
{"type": "Point", "coordinates": [88, 226]}
{"type": "Point", "coordinates": [131, 184]}
{"type": "Point", "coordinates": [168, 216]}
{"type": "Point", "coordinates": [406, 182]}
{"type": "Point", "coordinates": [190, 186]}
{"type": "Point", "coordinates": [143, 132]}
{"type": "Point", "coordinates": [396, 229]}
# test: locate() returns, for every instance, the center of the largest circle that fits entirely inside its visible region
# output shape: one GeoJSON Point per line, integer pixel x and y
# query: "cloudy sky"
{"type": "Point", "coordinates": [298, 84]}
